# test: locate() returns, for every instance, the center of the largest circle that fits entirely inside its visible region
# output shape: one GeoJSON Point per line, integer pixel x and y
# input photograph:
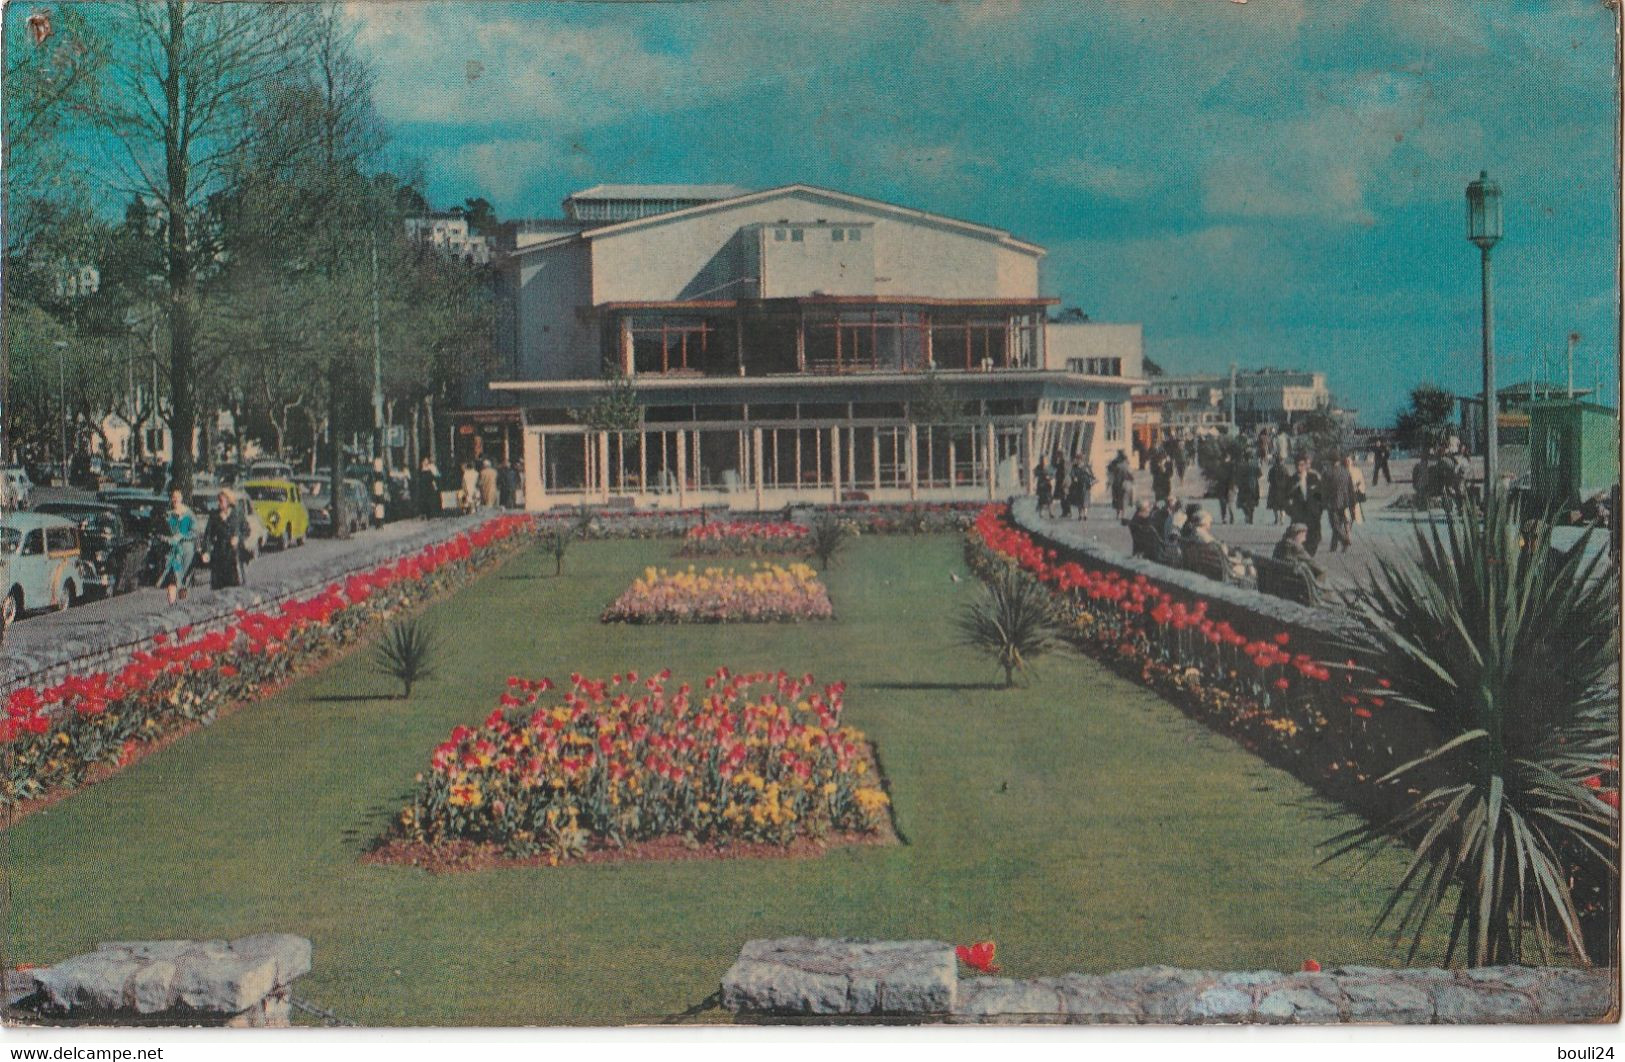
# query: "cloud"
{"type": "Point", "coordinates": [1099, 178]}
{"type": "Point", "coordinates": [501, 169]}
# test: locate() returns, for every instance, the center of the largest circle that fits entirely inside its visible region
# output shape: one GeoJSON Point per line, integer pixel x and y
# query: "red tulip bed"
{"type": "Point", "coordinates": [746, 538]}
{"type": "Point", "coordinates": [56, 737]}
{"type": "Point", "coordinates": [1324, 720]}
{"type": "Point", "coordinates": [629, 767]}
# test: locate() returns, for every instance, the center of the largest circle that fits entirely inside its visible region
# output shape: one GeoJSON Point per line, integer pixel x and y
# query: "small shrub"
{"type": "Point", "coordinates": [827, 538]}
{"type": "Point", "coordinates": [1012, 622]}
{"type": "Point", "coordinates": [557, 544]}
{"type": "Point", "coordinates": [406, 652]}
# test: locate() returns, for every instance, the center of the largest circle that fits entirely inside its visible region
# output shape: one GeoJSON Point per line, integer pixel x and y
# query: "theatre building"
{"type": "Point", "coordinates": [688, 344]}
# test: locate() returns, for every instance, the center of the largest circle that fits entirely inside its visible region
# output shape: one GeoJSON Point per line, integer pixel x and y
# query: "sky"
{"type": "Point", "coordinates": [1271, 183]}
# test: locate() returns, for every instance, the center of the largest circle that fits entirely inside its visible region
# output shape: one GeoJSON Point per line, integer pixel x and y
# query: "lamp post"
{"type": "Point", "coordinates": [62, 397]}
{"type": "Point", "coordinates": [1484, 229]}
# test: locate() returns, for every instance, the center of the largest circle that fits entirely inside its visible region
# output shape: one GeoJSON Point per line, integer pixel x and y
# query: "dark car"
{"type": "Point", "coordinates": [143, 513]}
{"type": "Point", "coordinates": [115, 554]}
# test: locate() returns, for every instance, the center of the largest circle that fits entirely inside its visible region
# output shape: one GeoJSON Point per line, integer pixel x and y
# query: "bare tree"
{"type": "Point", "coordinates": [190, 76]}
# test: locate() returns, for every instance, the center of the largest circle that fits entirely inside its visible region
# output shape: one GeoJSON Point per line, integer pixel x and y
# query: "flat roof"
{"type": "Point", "coordinates": [660, 191]}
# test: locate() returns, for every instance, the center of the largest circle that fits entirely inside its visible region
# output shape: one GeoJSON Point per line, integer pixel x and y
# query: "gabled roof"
{"type": "Point", "coordinates": [827, 195]}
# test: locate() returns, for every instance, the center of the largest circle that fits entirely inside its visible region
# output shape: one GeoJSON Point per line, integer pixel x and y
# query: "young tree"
{"type": "Point", "coordinates": [1425, 423]}
{"type": "Point", "coordinates": [190, 77]}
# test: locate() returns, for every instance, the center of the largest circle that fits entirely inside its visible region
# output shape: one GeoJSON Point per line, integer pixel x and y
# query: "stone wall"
{"type": "Point", "coordinates": [244, 982]}
{"type": "Point", "coordinates": [106, 647]}
{"type": "Point", "coordinates": [801, 978]}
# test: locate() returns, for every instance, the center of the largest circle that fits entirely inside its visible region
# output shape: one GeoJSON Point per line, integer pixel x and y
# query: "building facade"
{"type": "Point", "coordinates": [793, 343]}
{"type": "Point", "coordinates": [448, 232]}
{"type": "Point", "coordinates": [1201, 403]}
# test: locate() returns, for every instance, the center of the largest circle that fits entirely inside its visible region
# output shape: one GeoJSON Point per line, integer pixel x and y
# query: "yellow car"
{"type": "Point", "coordinates": [278, 504]}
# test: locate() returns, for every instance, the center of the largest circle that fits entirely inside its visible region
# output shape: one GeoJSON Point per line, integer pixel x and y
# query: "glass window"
{"type": "Point", "coordinates": [795, 235]}
{"type": "Point", "coordinates": [837, 235]}
{"type": "Point", "coordinates": [62, 539]}
{"type": "Point", "coordinates": [33, 544]}
{"type": "Point", "coordinates": [854, 235]}
{"type": "Point", "coordinates": [267, 493]}
{"type": "Point", "coordinates": [778, 234]}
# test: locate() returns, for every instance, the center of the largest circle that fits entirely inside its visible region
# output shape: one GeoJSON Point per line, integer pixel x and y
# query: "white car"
{"type": "Point", "coordinates": [40, 565]}
{"type": "Point", "coordinates": [18, 490]}
{"type": "Point", "coordinates": [269, 470]}
{"type": "Point", "coordinates": [205, 503]}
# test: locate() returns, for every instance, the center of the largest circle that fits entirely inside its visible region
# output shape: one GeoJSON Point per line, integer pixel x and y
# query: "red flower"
{"type": "Point", "coordinates": [978, 956]}
{"type": "Point", "coordinates": [1282, 638]}
{"type": "Point", "coordinates": [1310, 966]}
{"type": "Point", "coordinates": [1282, 684]}
{"type": "Point", "coordinates": [1363, 713]}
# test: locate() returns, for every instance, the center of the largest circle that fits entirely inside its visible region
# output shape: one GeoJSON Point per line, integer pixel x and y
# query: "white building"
{"type": "Point", "coordinates": [1199, 403]}
{"type": "Point", "coordinates": [449, 232]}
{"type": "Point", "coordinates": [787, 343]}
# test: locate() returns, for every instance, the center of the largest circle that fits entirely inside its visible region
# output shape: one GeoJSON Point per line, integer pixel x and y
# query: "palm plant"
{"type": "Point", "coordinates": [827, 537]}
{"type": "Point", "coordinates": [557, 544]}
{"type": "Point", "coordinates": [1509, 649]}
{"type": "Point", "coordinates": [1013, 622]}
{"type": "Point", "coordinates": [406, 652]}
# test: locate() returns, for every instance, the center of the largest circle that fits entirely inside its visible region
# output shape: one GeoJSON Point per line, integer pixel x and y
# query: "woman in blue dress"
{"type": "Point", "coordinates": [181, 525]}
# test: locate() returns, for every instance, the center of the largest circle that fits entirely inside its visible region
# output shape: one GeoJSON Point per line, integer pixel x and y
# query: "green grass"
{"type": "Point", "coordinates": [1080, 821]}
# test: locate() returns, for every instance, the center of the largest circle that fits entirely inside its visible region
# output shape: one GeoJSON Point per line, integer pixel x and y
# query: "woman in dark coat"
{"type": "Point", "coordinates": [223, 543]}
{"type": "Point", "coordinates": [1080, 487]}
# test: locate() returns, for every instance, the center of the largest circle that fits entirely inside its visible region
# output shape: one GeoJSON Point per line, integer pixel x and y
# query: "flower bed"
{"type": "Point", "coordinates": [758, 758]}
{"type": "Point", "coordinates": [54, 737]}
{"type": "Point", "coordinates": [1323, 719]}
{"type": "Point", "coordinates": [746, 538]}
{"type": "Point", "coordinates": [913, 518]}
{"type": "Point", "coordinates": [767, 593]}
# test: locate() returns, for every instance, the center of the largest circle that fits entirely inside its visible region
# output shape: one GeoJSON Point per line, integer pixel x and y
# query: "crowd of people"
{"type": "Point", "coordinates": [1310, 503]}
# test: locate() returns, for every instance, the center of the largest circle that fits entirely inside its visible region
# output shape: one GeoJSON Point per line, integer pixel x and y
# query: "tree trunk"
{"type": "Point", "coordinates": [335, 480]}
{"type": "Point", "coordinates": [428, 421]}
{"type": "Point", "coordinates": [183, 415]}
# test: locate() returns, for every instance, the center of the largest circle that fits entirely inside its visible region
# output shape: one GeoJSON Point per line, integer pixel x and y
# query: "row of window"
{"type": "Point", "coordinates": [835, 235]}
{"type": "Point", "coordinates": [1095, 366]}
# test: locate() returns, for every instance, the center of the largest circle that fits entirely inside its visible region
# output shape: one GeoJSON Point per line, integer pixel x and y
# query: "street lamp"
{"type": "Point", "coordinates": [1484, 229]}
{"type": "Point", "coordinates": [62, 396]}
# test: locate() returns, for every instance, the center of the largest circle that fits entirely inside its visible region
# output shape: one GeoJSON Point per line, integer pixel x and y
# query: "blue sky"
{"type": "Point", "coordinates": [1278, 182]}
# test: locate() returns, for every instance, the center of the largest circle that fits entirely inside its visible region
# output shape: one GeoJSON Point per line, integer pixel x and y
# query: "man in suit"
{"type": "Point", "coordinates": [1338, 495]}
{"type": "Point", "coordinates": [1304, 502]}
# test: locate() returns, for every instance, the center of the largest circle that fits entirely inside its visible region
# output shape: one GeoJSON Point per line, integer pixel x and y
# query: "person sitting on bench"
{"type": "Point", "coordinates": [1291, 550]}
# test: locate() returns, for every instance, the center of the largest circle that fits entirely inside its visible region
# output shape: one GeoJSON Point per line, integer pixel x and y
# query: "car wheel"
{"type": "Point", "coordinates": [66, 599]}
{"type": "Point", "coordinates": [285, 543]}
{"type": "Point", "coordinates": [10, 609]}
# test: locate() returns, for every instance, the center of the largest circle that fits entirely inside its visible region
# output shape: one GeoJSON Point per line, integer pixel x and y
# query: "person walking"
{"type": "Point", "coordinates": [1379, 463]}
{"type": "Point", "coordinates": [1063, 490]}
{"type": "Point", "coordinates": [1357, 477]}
{"type": "Point", "coordinates": [427, 489]}
{"type": "Point", "coordinates": [1304, 502]}
{"type": "Point", "coordinates": [1279, 480]}
{"type": "Point", "coordinates": [1338, 494]}
{"type": "Point", "coordinates": [180, 525]}
{"type": "Point", "coordinates": [1162, 475]}
{"type": "Point", "coordinates": [487, 483]}
{"type": "Point", "coordinates": [507, 485]}
{"type": "Point", "coordinates": [1178, 455]}
{"type": "Point", "coordinates": [1080, 486]}
{"type": "Point", "coordinates": [1224, 482]}
{"type": "Point", "coordinates": [223, 539]}
{"type": "Point", "coordinates": [1046, 493]}
{"type": "Point", "coordinates": [469, 496]}
{"type": "Point", "coordinates": [1119, 479]}
{"type": "Point", "coordinates": [1247, 487]}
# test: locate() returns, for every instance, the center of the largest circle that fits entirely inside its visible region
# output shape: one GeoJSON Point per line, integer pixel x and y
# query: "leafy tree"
{"type": "Point", "coordinates": [1426, 423]}
{"type": "Point", "coordinates": [1506, 649]}
{"type": "Point", "coordinates": [482, 217]}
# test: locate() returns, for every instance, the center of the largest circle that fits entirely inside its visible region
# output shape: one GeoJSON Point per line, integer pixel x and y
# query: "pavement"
{"type": "Point", "coordinates": [1386, 531]}
{"type": "Point", "coordinates": [40, 632]}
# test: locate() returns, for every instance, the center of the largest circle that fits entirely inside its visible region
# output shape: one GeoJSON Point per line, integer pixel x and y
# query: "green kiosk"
{"type": "Point", "coordinates": [1573, 451]}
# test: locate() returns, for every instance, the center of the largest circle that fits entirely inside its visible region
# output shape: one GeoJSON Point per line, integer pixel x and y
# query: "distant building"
{"type": "Point", "coordinates": [1200, 403]}
{"type": "Point", "coordinates": [789, 343]}
{"type": "Point", "coordinates": [448, 232]}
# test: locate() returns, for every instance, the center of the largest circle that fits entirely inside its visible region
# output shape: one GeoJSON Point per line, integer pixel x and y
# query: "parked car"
{"type": "Point", "coordinates": [277, 503]}
{"type": "Point", "coordinates": [40, 565]}
{"type": "Point", "coordinates": [204, 503]}
{"type": "Point", "coordinates": [114, 554]}
{"type": "Point", "coordinates": [19, 488]}
{"type": "Point", "coordinates": [268, 469]}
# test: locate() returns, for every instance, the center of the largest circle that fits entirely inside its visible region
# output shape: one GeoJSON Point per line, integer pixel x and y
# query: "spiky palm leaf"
{"type": "Point", "coordinates": [1013, 622]}
{"type": "Point", "coordinates": [406, 652]}
{"type": "Point", "coordinates": [1510, 648]}
{"type": "Point", "coordinates": [827, 537]}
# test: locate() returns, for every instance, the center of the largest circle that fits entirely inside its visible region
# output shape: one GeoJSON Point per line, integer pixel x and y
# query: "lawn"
{"type": "Point", "coordinates": [1081, 822]}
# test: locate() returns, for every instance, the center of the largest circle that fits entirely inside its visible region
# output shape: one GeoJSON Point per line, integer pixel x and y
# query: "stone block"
{"type": "Point", "coordinates": [291, 953]}
{"type": "Point", "coordinates": [151, 988]}
{"type": "Point", "coordinates": [1002, 1001]}
{"type": "Point", "coordinates": [1468, 1003]}
{"type": "Point", "coordinates": [94, 981]}
{"type": "Point", "coordinates": [224, 985]}
{"type": "Point", "coordinates": [1219, 1004]}
{"type": "Point", "coordinates": [1393, 1000]}
{"type": "Point", "coordinates": [1089, 1001]}
{"type": "Point", "coordinates": [1578, 996]}
{"type": "Point", "coordinates": [168, 950]}
{"type": "Point", "coordinates": [821, 976]}
{"type": "Point", "coordinates": [1297, 1006]}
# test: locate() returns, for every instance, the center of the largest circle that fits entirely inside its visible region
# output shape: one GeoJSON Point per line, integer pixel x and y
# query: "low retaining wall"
{"type": "Point", "coordinates": [110, 646]}
{"type": "Point", "coordinates": [917, 981]}
{"type": "Point", "coordinates": [243, 983]}
{"type": "Point", "coordinates": [1236, 604]}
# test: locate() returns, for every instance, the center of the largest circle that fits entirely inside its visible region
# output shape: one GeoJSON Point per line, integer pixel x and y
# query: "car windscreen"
{"type": "Point", "coordinates": [268, 494]}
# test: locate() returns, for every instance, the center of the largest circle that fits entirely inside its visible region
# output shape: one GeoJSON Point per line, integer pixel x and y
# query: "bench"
{"type": "Point", "coordinates": [1286, 580]}
{"type": "Point", "coordinates": [1206, 558]}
